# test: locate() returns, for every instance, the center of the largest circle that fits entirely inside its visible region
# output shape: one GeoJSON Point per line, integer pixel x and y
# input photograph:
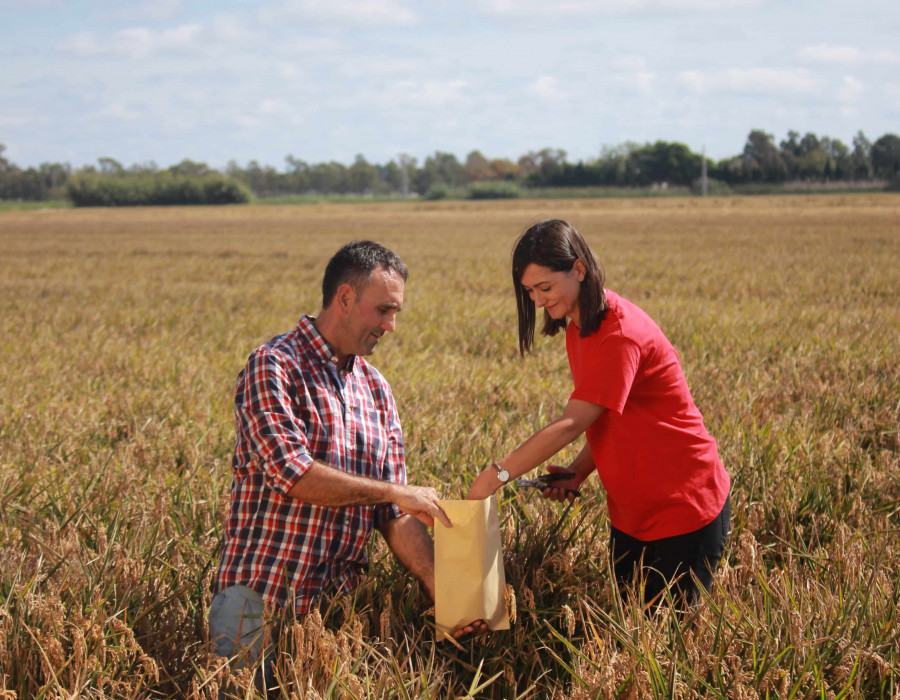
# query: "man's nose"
{"type": "Point", "coordinates": [389, 322]}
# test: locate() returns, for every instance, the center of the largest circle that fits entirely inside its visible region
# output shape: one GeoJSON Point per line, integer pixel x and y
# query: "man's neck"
{"type": "Point", "coordinates": [328, 328]}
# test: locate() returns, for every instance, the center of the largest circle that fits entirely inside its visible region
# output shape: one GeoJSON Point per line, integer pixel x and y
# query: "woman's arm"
{"type": "Point", "coordinates": [539, 447]}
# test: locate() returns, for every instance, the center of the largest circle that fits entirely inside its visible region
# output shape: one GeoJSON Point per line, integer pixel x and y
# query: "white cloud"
{"type": "Point", "coordinates": [541, 8]}
{"type": "Point", "coordinates": [222, 33]}
{"type": "Point", "coordinates": [137, 42]}
{"type": "Point", "coordinates": [247, 122]}
{"type": "Point", "coordinates": [290, 70]}
{"type": "Point", "coordinates": [271, 107]}
{"type": "Point", "coordinates": [547, 88]}
{"type": "Point", "coordinates": [693, 80]}
{"type": "Point", "coordinates": [368, 66]}
{"type": "Point", "coordinates": [429, 93]}
{"type": "Point", "coordinates": [641, 81]}
{"type": "Point", "coordinates": [231, 30]}
{"type": "Point", "coordinates": [753, 80]}
{"type": "Point", "coordinates": [850, 90]}
{"type": "Point", "coordinates": [438, 94]}
{"type": "Point", "coordinates": [380, 12]}
{"type": "Point", "coordinates": [12, 122]}
{"type": "Point", "coordinates": [120, 111]}
{"type": "Point", "coordinates": [149, 10]}
{"type": "Point", "coordinates": [634, 63]}
{"type": "Point", "coordinates": [847, 55]}
{"type": "Point", "coordinates": [28, 4]}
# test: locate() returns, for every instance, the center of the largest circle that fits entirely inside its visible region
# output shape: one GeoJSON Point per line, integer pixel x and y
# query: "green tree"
{"type": "Point", "coordinates": [297, 175]}
{"type": "Point", "coordinates": [110, 166]}
{"type": "Point", "coordinates": [861, 157]}
{"type": "Point", "coordinates": [439, 169]}
{"type": "Point", "coordinates": [542, 167]}
{"type": "Point", "coordinates": [478, 168]}
{"type": "Point", "coordinates": [505, 168]}
{"type": "Point", "coordinates": [54, 177]}
{"type": "Point", "coordinates": [839, 161]}
{"type": "Point", "coordinates": [190, 168]}
{"type": "Point", "coordinates": [390, 177]}
{"type": "Point", "coordinates": [673, 163]}
{"type": "Point", "coordinates": [762, 160]}
{"type": "Point", "coordinates": [328, 178]}
{"type": "Point", "coordinates": [886, 156]}
{"type": "Point", "coordinates": [362, 177]}
{"type": "Point", "coordinates": [448, 169]}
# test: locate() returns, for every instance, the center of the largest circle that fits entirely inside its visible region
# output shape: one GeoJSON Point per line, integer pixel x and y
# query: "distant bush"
{"type": "Point", "coordinates": [98, 190]}
{"type": "Point", "coordinates": [435, 192]}
{"type": "Point", "coordinates": [495, 190]}
{"type": "Point", "coordinates": [713, 187]}
{"type": "Point", "coordinates": [893, 185]}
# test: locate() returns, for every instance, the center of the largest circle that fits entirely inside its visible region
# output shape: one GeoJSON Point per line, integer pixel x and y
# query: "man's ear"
{"type": "Point", "coordinates": [345, 297]}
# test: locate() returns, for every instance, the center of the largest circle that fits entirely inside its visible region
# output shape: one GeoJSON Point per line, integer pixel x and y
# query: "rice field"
{"type": "Point", "coordinates": [122, 332]}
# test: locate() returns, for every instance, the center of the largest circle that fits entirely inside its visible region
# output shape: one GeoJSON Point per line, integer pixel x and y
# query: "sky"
{"type": "Point", "coordinates": [321, 80]}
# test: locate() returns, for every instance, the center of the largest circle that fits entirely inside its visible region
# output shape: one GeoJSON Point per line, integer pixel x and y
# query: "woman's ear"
{"type": "Point", "coordinates": [580, 270]}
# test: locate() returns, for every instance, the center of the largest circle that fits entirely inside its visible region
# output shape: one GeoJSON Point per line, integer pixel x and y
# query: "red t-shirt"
{"type": "Point", "coordinates": [659, 466]}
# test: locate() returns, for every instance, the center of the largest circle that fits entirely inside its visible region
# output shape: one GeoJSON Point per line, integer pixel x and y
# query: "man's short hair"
{"type": "Point", "coordinates": [354, 263]}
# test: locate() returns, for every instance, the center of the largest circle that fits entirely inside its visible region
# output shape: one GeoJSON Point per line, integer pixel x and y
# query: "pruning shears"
{"type": "Point", "coordinates": [545, 481]}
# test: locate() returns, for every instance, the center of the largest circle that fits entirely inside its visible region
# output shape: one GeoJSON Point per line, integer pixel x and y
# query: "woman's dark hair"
{"type": "Point", "coordinates": [556, 245]}
{"type": "Point", "coordinates": [354, 263]}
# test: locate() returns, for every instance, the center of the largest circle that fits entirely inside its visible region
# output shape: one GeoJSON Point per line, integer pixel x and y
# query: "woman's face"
{"type": "Point", "coordinates": [555, 292]}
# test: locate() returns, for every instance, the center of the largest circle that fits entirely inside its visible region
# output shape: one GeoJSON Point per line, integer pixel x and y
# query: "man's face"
{"type": "Point", "coordinates": [374, 311]}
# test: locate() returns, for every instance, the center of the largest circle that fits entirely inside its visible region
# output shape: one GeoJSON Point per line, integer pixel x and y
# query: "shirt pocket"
{"type": "Point", "coordinates": [370, 439]}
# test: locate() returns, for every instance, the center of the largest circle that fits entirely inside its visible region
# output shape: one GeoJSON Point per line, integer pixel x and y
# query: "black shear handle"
{"type": "Point", "coordinates": [552, 477]}
{"type": "Point", "coordinates": [547, 480]}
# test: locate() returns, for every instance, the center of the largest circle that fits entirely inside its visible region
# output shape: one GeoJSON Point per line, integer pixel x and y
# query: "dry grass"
{"type": "Point", "coordinates": [122, 332]}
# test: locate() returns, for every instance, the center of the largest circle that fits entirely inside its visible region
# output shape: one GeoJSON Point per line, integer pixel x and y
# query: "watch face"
{"type": "Point", "coordinates": [503, 475]}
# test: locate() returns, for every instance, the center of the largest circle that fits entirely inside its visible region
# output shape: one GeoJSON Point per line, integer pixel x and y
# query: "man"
{"type": "Point", "coordinates": [319, 462]}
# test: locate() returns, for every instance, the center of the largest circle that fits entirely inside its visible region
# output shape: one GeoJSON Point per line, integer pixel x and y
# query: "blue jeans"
{"type": "Point", "coordinates": [238, 629]}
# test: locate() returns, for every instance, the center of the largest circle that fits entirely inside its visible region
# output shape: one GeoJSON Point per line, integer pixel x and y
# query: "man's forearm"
{"type": "Point", "coordinates": [410, 543]}
{"type": "Point", "coordinates": [322, 485]}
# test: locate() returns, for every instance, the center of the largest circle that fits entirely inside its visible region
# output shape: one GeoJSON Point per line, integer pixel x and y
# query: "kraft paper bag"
{"type": "Point", "coordinates": [468, 566]}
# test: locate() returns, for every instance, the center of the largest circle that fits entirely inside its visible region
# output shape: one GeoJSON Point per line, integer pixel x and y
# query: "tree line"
{"type": "Point", "coordinates": [808, 158]}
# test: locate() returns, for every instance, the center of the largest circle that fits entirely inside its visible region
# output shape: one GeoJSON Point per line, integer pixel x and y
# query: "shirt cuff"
{"type": "Point", "coordinates": [283, 478]}
{"type": "Point", "coordinates": [385, 512]}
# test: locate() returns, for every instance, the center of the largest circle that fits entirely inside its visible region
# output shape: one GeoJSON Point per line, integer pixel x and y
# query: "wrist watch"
{"type": "Point", "coordinates": [502, 474]}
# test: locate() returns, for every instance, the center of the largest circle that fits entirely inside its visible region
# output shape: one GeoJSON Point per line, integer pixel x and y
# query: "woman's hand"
{"type": "Point", "coordinates": [563, 489]}
{"type": "Point", "coordinates": [485, 485]}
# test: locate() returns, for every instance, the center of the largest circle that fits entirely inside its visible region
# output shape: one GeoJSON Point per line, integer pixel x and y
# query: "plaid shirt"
{"type": "Point", "coordinates": [293, 406]}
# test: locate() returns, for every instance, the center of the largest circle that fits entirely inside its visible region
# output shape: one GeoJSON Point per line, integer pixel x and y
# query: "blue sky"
{"type": "Point", "coordinates": [329, 79]}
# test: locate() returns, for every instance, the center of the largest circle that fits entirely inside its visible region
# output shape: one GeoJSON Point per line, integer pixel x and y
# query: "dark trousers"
{"type": "Point", "coordinates": [672, 561]}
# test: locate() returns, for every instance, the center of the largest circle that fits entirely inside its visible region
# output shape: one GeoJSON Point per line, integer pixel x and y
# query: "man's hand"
{"type": "Point", "coordinates": [558, 491]}
{"type": "Point", "coordinates": [421, 502]}
{"type": "Point", "coordinates": [474, 628]}
{"type": "Point", "coordinates": [485, 485]}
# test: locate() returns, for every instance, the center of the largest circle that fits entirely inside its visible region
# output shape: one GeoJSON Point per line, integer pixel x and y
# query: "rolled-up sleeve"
{"type": "Point", "coordinates": [265, 414]}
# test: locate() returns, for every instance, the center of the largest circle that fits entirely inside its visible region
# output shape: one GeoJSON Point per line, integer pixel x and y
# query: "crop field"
{"type": "Point", "coordinates": [122, 332]}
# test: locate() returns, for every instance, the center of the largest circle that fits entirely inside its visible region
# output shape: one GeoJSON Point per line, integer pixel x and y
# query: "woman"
{"type": "Point", "coordinates": [667, 490]}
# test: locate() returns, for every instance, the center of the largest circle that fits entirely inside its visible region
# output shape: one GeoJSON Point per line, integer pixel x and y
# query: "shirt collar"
{"type": "Point", "coordinates": [320, 348]}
